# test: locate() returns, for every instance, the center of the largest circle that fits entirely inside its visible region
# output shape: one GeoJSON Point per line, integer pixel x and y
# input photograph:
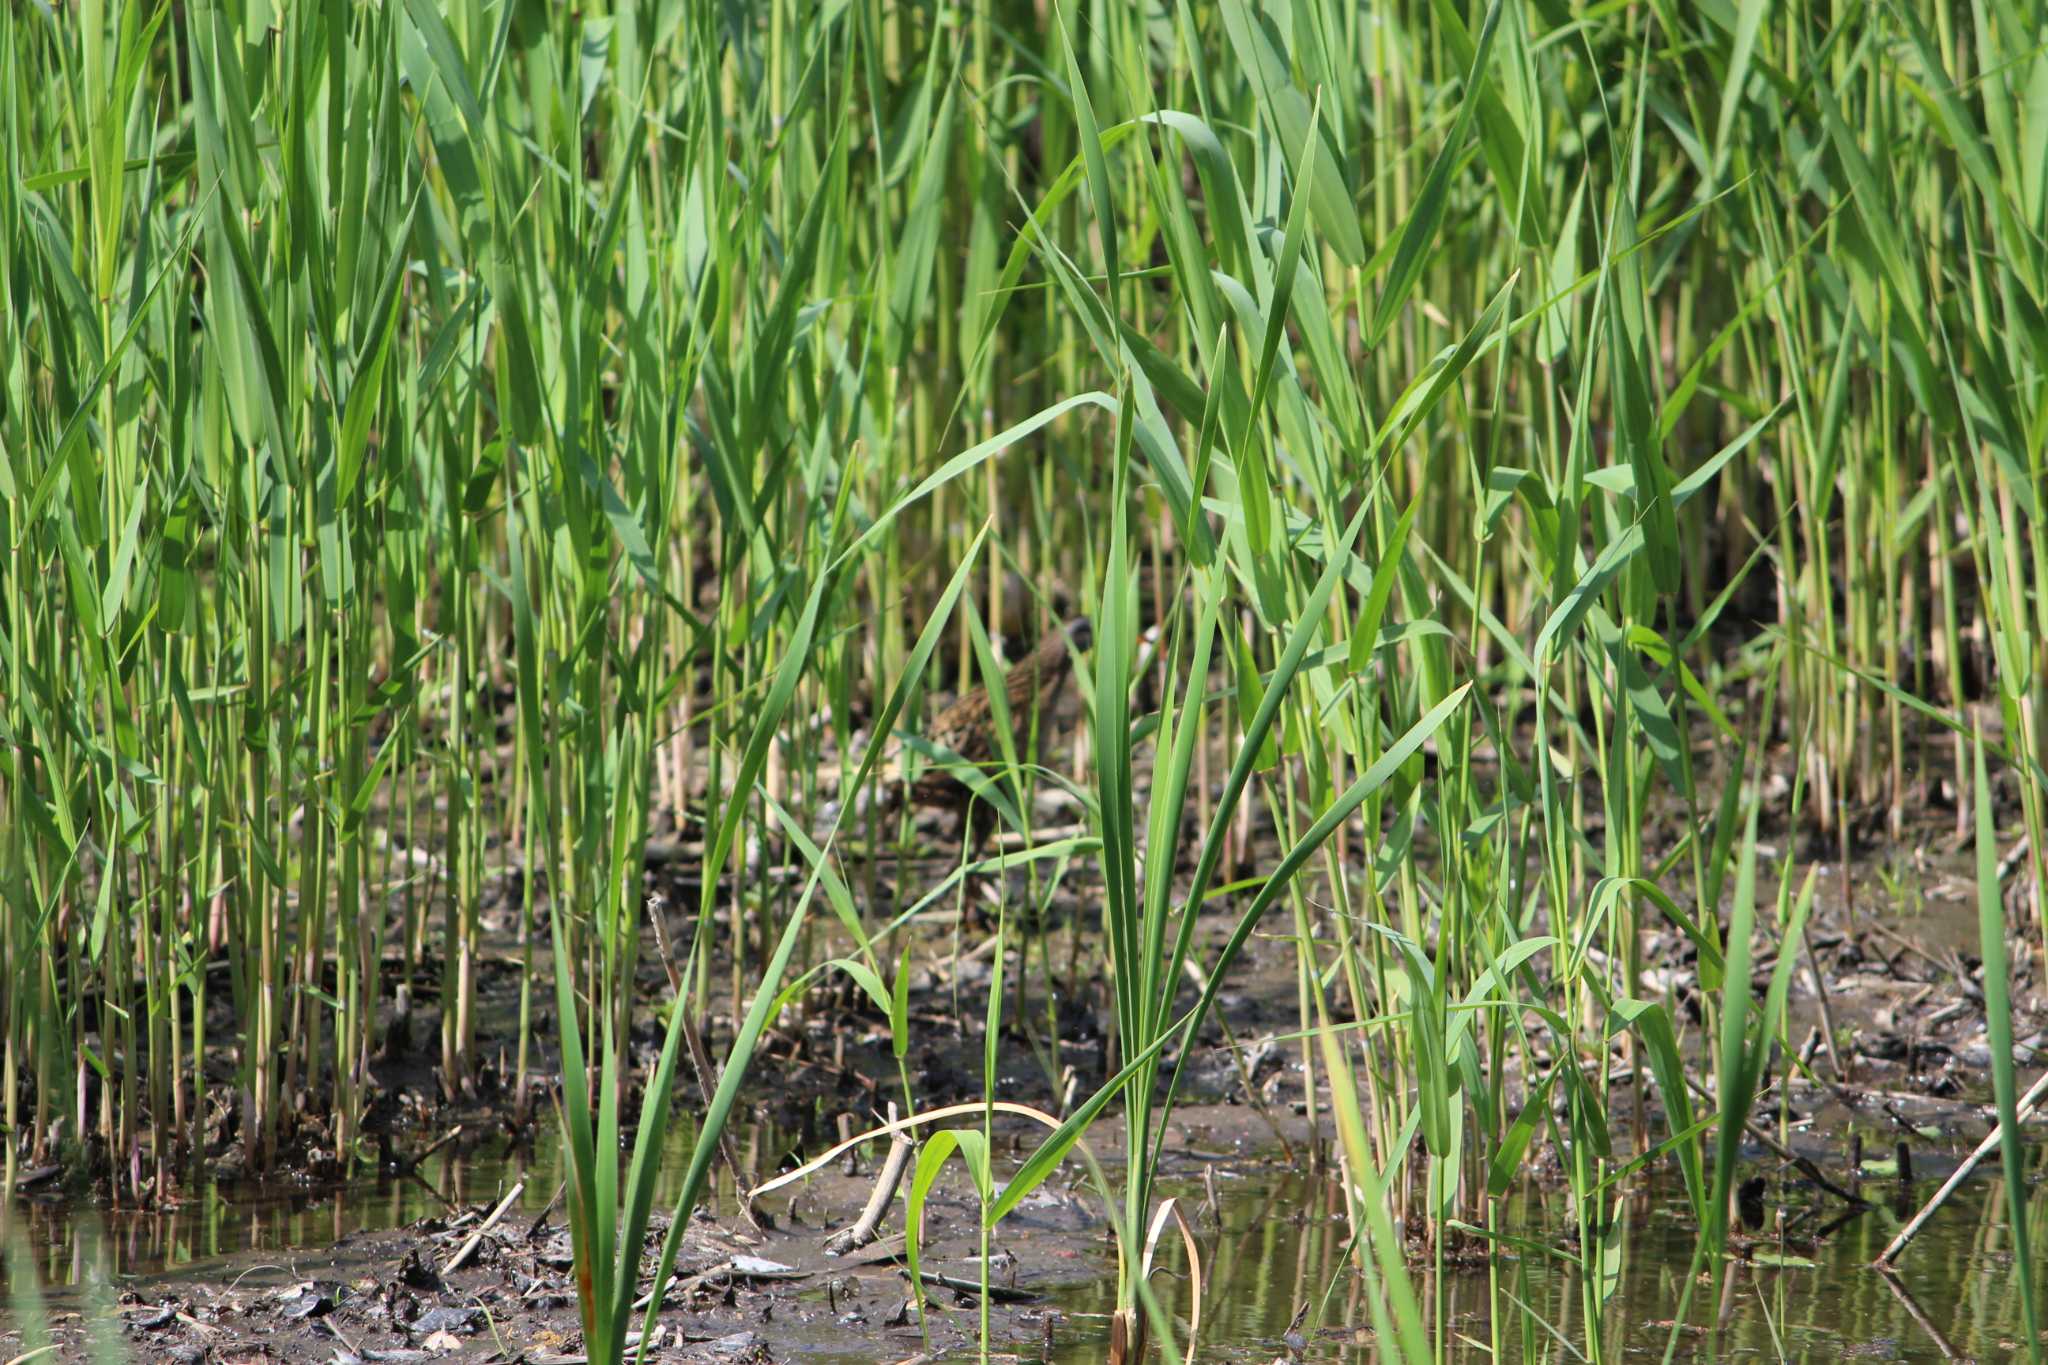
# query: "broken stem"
{"type": "Point", "coordinates": [1984, 1149]}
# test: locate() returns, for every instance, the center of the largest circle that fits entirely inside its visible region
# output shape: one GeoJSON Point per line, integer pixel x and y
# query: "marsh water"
{"type": "Point", "coordinates": [1272, 1241]}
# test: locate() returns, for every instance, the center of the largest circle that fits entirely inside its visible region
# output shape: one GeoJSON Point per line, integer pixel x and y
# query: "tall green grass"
{"type": "Point", "coordinates": [444, 445]}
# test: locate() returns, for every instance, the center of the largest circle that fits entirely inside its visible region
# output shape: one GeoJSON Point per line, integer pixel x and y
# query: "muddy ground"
{"type": "Point", "coordinates": [1907, 1015]}
{"type": "Point", "coordinates": [1893, 941]}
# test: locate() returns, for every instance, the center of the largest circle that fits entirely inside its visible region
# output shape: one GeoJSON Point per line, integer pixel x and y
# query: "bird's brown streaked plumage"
{"type": "Point", "coordinates": [967, 726]}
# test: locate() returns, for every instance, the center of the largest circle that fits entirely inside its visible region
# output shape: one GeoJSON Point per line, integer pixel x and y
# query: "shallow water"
{"type": "Point", "coordinates": [274, 1229]}
{"type": "Point", "coordinates": [1278, 1246]}
{"type": "Point", "coordinates": [1282, 1246]}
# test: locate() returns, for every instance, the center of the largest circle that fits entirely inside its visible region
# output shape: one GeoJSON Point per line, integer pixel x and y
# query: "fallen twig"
{"type": "Point", "coordinates": [1985, 1148]}
{"type": "Point", "coordinates": [700, 1063]}
{"type": "Point", "coordinates": [863, 1229]}
{"type": "Point", "coordinates": [476, 1238]}
{"type": "Point", "coordinates": [1805, 1165]}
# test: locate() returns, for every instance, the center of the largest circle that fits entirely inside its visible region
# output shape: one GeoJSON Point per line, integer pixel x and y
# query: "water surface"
{"type": "Point", "coordinates": [1274, 1247]}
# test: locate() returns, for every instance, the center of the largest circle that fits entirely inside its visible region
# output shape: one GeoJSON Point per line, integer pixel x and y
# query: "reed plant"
{"type": "Point", "coordinates": [447, 448]}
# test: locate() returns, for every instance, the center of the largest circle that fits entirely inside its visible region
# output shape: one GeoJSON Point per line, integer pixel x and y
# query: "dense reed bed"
{"type": "Point", "coordinates": [1506, 451]}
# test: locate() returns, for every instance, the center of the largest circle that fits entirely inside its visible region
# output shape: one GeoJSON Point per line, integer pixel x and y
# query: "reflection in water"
{"type": "Point", "coordinates": [239, 1227]}
{"type": "Point", "coordinates": [1275, 1263]}
{"type": "Point", "coordinates": [1281, 1252]}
